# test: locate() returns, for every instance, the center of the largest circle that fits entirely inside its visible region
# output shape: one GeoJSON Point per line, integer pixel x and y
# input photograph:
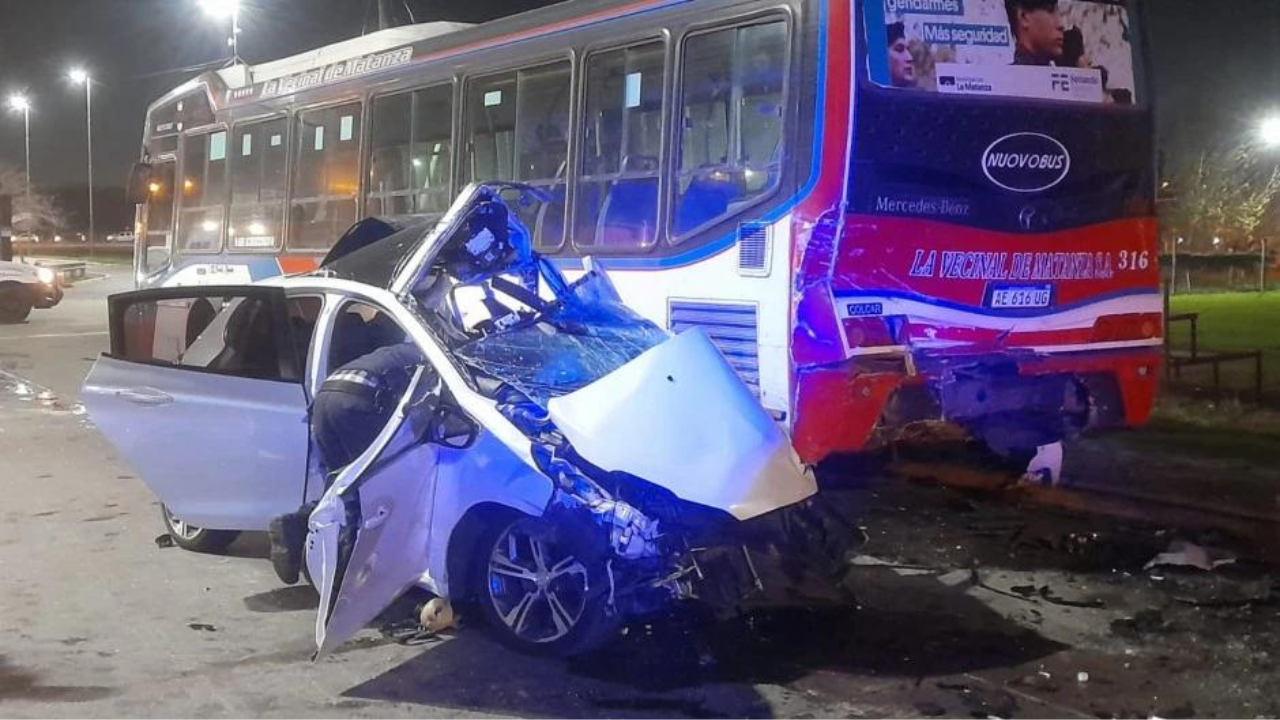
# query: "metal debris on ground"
{"type": "Point", "coordinates": [164, 541]}
{"type": "Point", "coordinates": [1182, 553]}
{"type": "Point", "coordinates": [1141, 623]}
{"type": "Point", "coordinates": [202, 627]}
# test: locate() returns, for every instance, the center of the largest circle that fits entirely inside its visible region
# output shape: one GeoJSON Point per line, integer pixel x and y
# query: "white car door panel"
{"type": "Point", "coordinates": [363, 562]}
{"type": "Point", "coordinates": [222, 452]}
{"type": "Point", "coordinates": [201, 394]}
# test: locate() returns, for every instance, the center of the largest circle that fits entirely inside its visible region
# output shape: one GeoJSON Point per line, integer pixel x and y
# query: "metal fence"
{"type": "Point", "coordinates": [1234, 272]}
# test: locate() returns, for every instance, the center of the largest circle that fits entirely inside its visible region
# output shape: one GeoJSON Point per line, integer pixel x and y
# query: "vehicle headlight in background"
{"type": "Point", "coordinates": [46, 275]}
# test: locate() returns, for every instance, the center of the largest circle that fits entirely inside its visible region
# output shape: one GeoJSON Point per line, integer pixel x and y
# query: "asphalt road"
{"type": "Point", "coordinates": [965, 609]}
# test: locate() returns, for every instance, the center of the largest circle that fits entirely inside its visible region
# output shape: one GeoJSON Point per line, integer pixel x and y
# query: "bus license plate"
{"type": "Point", "coordinates": [1021, 297]}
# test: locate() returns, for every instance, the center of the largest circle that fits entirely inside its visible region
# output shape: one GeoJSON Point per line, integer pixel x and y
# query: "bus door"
{"type": "Point", "coordinates": [155, 245]}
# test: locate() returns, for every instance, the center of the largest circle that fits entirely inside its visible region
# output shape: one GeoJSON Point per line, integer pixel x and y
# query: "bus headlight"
{"type": "Point", "coordinates": [46, 276]}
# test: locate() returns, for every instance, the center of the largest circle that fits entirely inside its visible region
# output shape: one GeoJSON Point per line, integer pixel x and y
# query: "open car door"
{"type": "Point", "coordinates": [202, 394]}
{"type": "Point", "coordinates": [368, 537]}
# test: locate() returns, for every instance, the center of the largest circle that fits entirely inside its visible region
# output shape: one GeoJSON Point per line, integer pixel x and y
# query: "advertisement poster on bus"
{"type": "Point", "coordinates": [1067, 50]}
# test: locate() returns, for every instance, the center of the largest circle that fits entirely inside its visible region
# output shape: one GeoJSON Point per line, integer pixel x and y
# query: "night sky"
{"type": "Point", "coordinates": [1217, 65]}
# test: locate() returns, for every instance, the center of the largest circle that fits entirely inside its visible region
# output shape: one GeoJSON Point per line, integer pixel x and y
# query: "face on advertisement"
{"type": "Point", "coordinates": [1037, 30]}
{"type": "Point", "coordinates": [902, 65]}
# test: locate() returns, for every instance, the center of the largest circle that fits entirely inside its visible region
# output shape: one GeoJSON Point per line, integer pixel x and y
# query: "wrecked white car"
{"type": "Point", "coordinates": [557, 463]}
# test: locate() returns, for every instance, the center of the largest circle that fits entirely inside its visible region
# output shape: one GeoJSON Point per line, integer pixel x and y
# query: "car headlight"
{"type": "Point", "coordinates": [46, 275]}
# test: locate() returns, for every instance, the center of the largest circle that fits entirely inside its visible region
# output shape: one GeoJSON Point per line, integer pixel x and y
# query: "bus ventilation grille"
{"type": "Point", "coordinates": [732, 329]}
{"type": "Point", "coordinates": [754, 242]}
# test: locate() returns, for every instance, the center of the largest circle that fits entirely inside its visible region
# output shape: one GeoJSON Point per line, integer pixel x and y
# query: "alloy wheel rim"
{"type": "Point", "coordinates": [538, 589]}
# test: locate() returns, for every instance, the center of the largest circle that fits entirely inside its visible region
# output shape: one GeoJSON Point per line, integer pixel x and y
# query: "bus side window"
{"type": "Point", "coordinates": [731, 111]}
{"type": "Point", "coordinates": [257, 186]}
{"type": "Point", "coordinates": [326, 176]}
{"type": "Point", "coordinates": [204, 188]}
{"type": "Point", "coordinates": [518, 129]}
{"type": "Point", "coordinates": [411, 161]}
{"type": "Point", "coordinates": [617, 201]}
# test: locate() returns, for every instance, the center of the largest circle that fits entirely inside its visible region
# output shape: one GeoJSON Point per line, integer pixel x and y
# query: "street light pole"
{"type": "Point", "coordinates": [21, 104]}
{"type": "Point", "coordinates": [26, 131]}
{"type": "Point", "coordinates": [88, 123]}
{"type": "Point", "coordinates": [224, 10]}
{"type": "Point", "coordinates": [81, 76]}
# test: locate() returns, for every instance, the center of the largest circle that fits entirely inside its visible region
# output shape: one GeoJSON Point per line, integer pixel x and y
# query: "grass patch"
{"type": "Point", "coordinates": [1232, 321]}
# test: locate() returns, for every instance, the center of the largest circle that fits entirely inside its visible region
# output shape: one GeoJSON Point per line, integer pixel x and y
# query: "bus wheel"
{"type": "Point", "coordinates": [195, 539]}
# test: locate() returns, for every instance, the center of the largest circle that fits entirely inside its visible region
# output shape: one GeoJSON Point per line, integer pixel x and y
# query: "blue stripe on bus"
{"type": "Point", "coordinates": [723, 243]}
{"type": "Point", "coordinates": [974, 310]}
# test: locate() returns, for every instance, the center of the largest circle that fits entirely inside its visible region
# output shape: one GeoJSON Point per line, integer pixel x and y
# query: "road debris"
{"type": "Point", "coordinates": [202, 627]}
{"type": "Point", "coordinates": [436, 616]}
{"type": "Point", "coordinates": [1141, 623]}
{"type": "Point", "coordinates": [1182, 553]}
{"type": "Point", "coordinates": [164, 541]}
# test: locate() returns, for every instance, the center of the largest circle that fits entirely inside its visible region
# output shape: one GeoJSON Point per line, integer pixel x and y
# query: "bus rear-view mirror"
{"type": "Point", "coordinates": [139, 187]}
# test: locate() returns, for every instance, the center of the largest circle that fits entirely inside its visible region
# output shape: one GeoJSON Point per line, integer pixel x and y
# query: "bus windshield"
{"type": "Point", "coordinates": [1079, 51]}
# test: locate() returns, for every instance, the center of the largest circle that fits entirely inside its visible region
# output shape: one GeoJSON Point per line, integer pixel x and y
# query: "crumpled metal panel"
{"type": "Point", "coordinates": [679, 417]}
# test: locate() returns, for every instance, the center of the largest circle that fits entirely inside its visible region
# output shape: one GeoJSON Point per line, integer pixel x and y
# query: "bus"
{"type": "Point", "coordinates": [884, 212]}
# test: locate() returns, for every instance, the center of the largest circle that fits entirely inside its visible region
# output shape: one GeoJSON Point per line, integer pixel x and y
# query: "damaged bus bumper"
{"type": "Point", "coordinates": [1013, 400]}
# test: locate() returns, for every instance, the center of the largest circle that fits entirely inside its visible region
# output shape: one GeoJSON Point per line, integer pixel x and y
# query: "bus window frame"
{"type": "Point", "coordinates": [786, 15]}
{"type": "Point", "coordinates": [288, 168]}
{"type": "Point", "coordinates": [575, 175]}
{"type": "Point", "coordinates": [478, 71]}
{"type": "Point", "coordinates": [454, 82]}
{"type": "Point", "coordinates": [141, 246]}
{"type": "Point", "coordinates": [295, 113]}
{"type": "Point", "coordinates": [179, 247]}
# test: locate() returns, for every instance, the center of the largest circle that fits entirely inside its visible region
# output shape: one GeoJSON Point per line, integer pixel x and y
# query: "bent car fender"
{"type": "Point", "coordinates": [678, 416]}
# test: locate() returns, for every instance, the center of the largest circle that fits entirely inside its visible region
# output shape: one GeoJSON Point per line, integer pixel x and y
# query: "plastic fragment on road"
{"type": "Point", "coordinates": [1046, 467]}
{"type": "Point", "coordinates": [1182, 553]}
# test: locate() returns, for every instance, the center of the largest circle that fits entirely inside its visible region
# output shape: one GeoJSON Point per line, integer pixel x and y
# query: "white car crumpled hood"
{"type": "Point", "coordinates": [678, 416]}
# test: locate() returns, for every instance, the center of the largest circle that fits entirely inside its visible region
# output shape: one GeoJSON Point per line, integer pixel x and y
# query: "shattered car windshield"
{"type": "Point", "coordinates": [510, 314]}
{"type": "Point", "coordinates": [576, 344]}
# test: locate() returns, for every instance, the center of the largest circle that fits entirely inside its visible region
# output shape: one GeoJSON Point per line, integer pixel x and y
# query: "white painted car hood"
{"type": "Point", "coordinates": [679, 417]}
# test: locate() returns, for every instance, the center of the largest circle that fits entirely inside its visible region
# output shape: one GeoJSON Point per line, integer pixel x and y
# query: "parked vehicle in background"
{"type": "Point", "coordinates": [870, 243]}
{"type": "Point", "coordinates": [23, 287]}
{"type": "Point", "coordinates": [124, 237]}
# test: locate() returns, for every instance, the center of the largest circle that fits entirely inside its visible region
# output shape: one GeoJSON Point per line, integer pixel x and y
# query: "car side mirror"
{"type": "Point", "coordinates": [138, 190]}
{"type": "Point", "coordinates": [451, 428]}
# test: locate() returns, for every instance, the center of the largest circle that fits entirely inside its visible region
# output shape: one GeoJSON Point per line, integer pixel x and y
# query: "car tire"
{"type": "Point", "coordinates": [14, 306]}
{"type": "Point", "coordinates": [195, 539]}
{"type": "Point", "coordinates": [542, 589]}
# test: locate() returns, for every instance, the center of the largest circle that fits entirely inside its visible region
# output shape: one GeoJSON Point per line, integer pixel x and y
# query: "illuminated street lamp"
{"type": "Point", "coordinates": [80, 76]}
{"type": "Point", "coordinates": [1269, 132]}
{"type": "Point", "coordinates": [223, 10]}
{"type": "Point", "coordinates": [20, 103]}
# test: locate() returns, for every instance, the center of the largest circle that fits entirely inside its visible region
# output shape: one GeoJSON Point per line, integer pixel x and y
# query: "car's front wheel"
{"type": "Point", "coordinates": [196, 539]}
{"type": "Point", "coordinates": [543, 590]}
{"type": "Point", "coordinates": [14, 305]}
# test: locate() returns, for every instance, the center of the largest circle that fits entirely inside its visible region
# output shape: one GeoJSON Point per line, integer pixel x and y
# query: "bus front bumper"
{"type": "Point", "coordinates": [1014, 400]}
